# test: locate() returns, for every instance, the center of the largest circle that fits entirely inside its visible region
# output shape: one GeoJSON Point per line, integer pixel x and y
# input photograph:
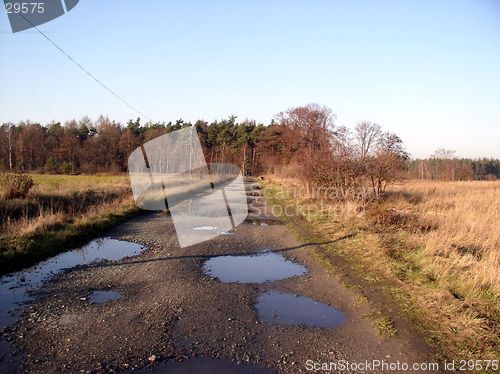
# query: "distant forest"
{"type": "Point", "coordinates": [305, 138]}
{"type": "Point", "coordinates": [446, 168]}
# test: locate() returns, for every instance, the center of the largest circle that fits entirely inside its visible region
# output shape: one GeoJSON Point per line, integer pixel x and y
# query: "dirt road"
{"type": "Point", "coordinates": [172, 317]}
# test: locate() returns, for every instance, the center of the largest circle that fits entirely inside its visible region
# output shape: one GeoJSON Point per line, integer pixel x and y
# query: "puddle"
{"type": "Point", "coordinates": [103, 296]}
{"type": "Point", "coordinates": [212, 228]}
{"type": "Point", "coordinates": [264, 221]}
{"type": "Point", "coordinates": [258, 268]}
{"type": "Point", "coordinates": [290, 309]}
{"type": "Point", "coordinates": [254, 186]}
{"type": "Point", "coordinates": [10, 360]}
{"type": "Point", "coordinates": [15, 288]}
{"type": "Point", "coordinates": [202, 365]}
{"type": "Point", "coordinates": [254, 193]}
{"type": "Point", "coordinates": [205, 228]}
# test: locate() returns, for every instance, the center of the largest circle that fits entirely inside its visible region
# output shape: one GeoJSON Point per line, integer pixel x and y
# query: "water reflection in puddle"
{"type": "Point", "coordinates": [10, 360]}
{"type": "Point", "coordinates": [103, 296]}
{"type": "Point", "coordinates": [202, 365]}
{"type": "Point", "coordinates": [258, 268]}
{"type": "Point", "coordinates": [290, 309]}
{"type": "Point", "coordinates": [15, 287]}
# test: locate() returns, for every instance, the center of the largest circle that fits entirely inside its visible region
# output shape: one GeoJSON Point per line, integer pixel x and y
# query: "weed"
{"type": "Point", "coordinates": [15, 186]}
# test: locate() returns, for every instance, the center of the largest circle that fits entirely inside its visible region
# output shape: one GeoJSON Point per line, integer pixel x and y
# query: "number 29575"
{"type": "Point", "coordinates": [25, 8]}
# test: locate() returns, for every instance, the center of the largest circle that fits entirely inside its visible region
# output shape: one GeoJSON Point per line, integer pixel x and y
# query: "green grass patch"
{"type": "Point", "coordinates": [58, 180]}
{"type": "Point", "coordinates": [67, 184]}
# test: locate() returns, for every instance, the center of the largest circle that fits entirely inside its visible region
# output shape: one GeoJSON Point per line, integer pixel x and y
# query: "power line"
{"type": "Point", "coordinates": [86, 71]}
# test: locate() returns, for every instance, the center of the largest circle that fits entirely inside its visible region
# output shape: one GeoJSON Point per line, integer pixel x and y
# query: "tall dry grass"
{"type": "Point", "coordinates": [58, 199]}
{"type": "Point", "coordinates": [463, 249]}
{"type": "Point", "coordinates": [437, 243]}
{"type": "Point", "coordinates": [456, 224]}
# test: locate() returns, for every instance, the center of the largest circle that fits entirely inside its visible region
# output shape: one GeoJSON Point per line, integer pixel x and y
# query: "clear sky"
{"type": "Point", "coordinates": [427, 70]}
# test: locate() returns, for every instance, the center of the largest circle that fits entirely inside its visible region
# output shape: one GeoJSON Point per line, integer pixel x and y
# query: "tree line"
{"type": "Point", "coordinates": [87, 146]}
{"type": "Point", "coordinates": [443, 165]}
{"type": "Point", "coordinates": [302, 142]}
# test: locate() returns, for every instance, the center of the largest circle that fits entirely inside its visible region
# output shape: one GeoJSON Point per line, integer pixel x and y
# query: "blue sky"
{"type": "Point", "coordinates": [427, 70]}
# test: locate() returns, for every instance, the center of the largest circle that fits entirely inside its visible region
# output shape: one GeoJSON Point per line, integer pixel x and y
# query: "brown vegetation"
{"type": "Point", "coordinates": [57, 212]}
{"type": "Point", "coordinates": [341, 165]}
{"type": "Point", "coordinates": [437, 243]}
{"type": "Point", "coordinates": [14, 186]}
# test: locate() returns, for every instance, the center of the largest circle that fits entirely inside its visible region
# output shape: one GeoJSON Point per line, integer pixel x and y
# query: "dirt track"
{"type": "Point", "coordinates": [170, 312]}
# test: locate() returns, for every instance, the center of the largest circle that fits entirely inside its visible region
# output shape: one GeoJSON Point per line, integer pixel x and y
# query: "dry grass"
{"type": "Point", "coordinates": [60, 211]}
{"type": "Point", "coordinates": [434, 243]}
{"type": "Point", "coordinates": [458, 282]}
{"type": "Point", "coordinates": [57, 199]}
{"type": "Point", "coordinates": [463, 251]}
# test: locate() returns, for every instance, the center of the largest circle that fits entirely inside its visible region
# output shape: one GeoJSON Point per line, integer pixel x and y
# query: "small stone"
{"type": "Point", "coordinates": [152, 358]}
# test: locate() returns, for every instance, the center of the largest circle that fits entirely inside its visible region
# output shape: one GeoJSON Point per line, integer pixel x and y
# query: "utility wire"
{"type": "Point", "coordinates": [86, 71]}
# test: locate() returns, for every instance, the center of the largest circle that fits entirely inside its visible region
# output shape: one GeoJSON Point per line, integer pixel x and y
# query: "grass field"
{"type": "Point", "coordinates": [60, 211]}
{"type": "Point", "coordinates": [61, 182]}
{"type": "Point", "coordinates": [63, 211]}
{"type": "Point", "coordinates": [463, 250]}
{"type": "Point", "coordinates": [433, 246]}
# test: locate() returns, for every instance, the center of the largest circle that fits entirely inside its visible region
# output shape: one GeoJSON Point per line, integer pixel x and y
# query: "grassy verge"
{"type": "Point", "coordinates": [20, 251]}
{"type": "Point", "coordinates": [391, 252]}
{"type": "Point", "coordinates": [60, 212]}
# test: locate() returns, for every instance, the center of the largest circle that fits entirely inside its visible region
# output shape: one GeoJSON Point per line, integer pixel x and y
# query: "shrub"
{"type": "Point", "coordinates": [15, 186]}
{"type": "Point", "coordinates": [67, 168]}
{"type": "Point", "coordinates": [51, 165]}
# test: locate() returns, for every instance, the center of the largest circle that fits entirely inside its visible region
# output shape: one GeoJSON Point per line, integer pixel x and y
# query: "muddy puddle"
{"type": "Point", "coordinates": [257, 268]}
{"type": "Point", "coordinates": [16, 288]}
{"type": "Point", "coordinates": [202, 365]}
{"type": "Point", "coordinates": [290, 309]}
{"type": "Point", "coordinates": [10, 360]}
{"type": "Point", "coordinates": [103, 296]}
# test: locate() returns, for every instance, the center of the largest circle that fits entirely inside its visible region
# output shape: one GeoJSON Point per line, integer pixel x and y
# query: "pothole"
{"type": "Point", "coordinates": [256, 268]}
{"type": "Point", "coordinates": [103, 296]}
{"type": "Point", "coordinates": [16, 288]}
{"type": "Point", "coordinates": [290, 309]}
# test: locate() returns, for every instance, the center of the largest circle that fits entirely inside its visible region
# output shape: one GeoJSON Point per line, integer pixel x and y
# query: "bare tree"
{"type": "Point", "coordinates": [388, 162]}
{"type": "Point", "coordinates": [8, 138]}
{"type": "Point", "coordinates": [367, 136]}
{"type": "Point", "coordinates": [444, 154]}
{"type": "Point", "coordinates": [444, 164]}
